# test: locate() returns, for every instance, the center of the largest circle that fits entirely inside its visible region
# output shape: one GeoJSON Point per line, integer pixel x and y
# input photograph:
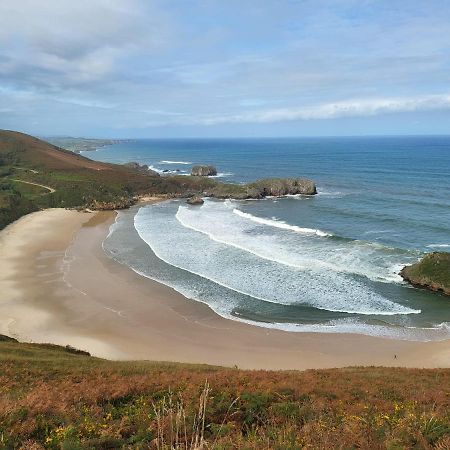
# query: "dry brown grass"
{"type": "Point", "coordinates": [59, 400]}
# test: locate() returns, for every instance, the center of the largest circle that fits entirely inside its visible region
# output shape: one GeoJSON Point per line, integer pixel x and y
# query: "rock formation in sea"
{"type": "Point", "coordinates": [195, 200]}
{"type": "Point", "coordinates": [431, 272]}
{"type": "Point", "coordinates": [276, 187]}
{"type": "Point", "coordinates": [284, 186]}
{"type": "Point", "coordinates": [203, 171]}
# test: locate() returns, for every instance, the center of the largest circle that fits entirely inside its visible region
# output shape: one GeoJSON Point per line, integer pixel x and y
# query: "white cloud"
{"type": "Point", "coordinates": [353, 108]}
{"type": "Point", "coordinates": [59, 43]}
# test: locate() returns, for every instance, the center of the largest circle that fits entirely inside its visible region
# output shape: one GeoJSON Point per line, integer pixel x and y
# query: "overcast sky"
{"type": "Point", "coordinates": [145, 68]}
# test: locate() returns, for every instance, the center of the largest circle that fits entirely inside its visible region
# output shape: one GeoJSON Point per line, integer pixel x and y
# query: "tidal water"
{"type": "Point", "coordinates": [327, 263]}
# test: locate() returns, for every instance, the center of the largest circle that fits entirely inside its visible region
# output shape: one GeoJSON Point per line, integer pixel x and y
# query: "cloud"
{"type": "Point", "coordinates": [354, 108]}
{"type": "Point", "coordinates": [137, 64]}
{"type": "Point", "coordinates": [56, 44]}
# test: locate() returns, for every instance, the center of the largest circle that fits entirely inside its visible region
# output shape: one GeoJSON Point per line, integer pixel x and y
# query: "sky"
{"type": "Point", "coordinates": [224, 68]}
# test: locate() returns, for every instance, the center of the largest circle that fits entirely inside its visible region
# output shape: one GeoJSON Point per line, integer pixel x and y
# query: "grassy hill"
{"type": "Point", "coordinates": [52, 397]}
{"type": "Point", "coordinates": [76, 181]}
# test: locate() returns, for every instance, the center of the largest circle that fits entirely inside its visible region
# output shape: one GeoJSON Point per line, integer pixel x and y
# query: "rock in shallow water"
{"type": "Point", "coordinates": [203, 171]}
{"type": "Point", "coordinates": [195, 200]}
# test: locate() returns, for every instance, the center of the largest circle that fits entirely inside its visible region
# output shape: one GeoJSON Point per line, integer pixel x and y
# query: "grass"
{"type": "Point", "coordinates": [28, 191]}
{"type": "Point", "coordinates": [52, 398]}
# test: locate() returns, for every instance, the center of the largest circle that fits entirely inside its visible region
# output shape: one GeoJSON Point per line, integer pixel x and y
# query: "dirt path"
{"type": "Point", "coordinates": [36, 184]}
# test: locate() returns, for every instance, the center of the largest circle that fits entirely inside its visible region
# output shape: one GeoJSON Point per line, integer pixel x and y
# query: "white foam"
{"type": "Point", "coordinates": [440, 332]}
{"type": "Point", "coordinates": [167, 172]}
{"type": "Point", "coordinates": [221, 175]}
{"type": "Point", "coordinates": [252, 273]}
{"type": "Point", "coordinates": [280, 224]}
{"type": "Point", "coordinates": [331, 194]}
{"type": "Point", "coordinates": [297, 250]}
{"type": "Point", "coordinates": [176, 162]}
{"type": "Point", "coordinates": [438, 246]}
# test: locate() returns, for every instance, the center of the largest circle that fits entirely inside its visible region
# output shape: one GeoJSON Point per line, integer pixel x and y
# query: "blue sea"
{"type": "Point", "coordinates": [327, 263]}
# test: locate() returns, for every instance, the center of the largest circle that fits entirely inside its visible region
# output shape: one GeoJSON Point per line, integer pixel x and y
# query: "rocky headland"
{"type": "Point", "coordinates": [431, 272]}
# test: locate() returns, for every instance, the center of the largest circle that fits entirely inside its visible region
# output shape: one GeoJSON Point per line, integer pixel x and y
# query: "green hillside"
{"type": "Point", "coordinates": [71, 180]}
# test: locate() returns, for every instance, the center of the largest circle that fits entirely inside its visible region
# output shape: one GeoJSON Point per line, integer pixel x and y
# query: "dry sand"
{"type": "Point", "coordinates": [57, 285]}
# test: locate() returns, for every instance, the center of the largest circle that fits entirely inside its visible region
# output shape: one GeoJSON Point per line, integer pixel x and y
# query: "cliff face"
{"type": "Point", "coordinates": [432, 272]}
{"type": "Point", "coordinates": [283, 186]}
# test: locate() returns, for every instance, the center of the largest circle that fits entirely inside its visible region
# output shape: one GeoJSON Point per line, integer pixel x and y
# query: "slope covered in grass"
{"type": "Point", "coordinates": [53, 398]}
{"type": "Point", "coordinates": [77, 181]}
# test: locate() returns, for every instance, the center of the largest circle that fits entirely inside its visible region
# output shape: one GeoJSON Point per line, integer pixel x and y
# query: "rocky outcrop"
{"type": "Point", "coordinates": [276, 187]}
{"type": "Point", "coordinates": [203, 171]}
{"type": "Point", "coordinates": [143, 168]}
{"type": "Point", "coordinates": [431, 272]}
{"type": "Point", "coordinates": [195, 200]}
{"type": "Point", "coordinates": [282, 186]}
{"type": "Point", "coordinates": [120, 203]}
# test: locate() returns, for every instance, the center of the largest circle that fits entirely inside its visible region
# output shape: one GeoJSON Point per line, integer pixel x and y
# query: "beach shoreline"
{"type": "Point", "coordinates": [59, 286]}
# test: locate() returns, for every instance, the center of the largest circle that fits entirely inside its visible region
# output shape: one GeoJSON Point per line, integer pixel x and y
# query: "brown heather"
{"type": "Point", "coordinates": [50, 398]}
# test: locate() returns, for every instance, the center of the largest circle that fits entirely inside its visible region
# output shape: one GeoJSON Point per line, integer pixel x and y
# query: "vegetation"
{"type": "Point", "coordinates": [77, 182]}
{"type": "Point", "coordinates": [52, 397]}
{"type": "Point", "coordinates": [432, 272]}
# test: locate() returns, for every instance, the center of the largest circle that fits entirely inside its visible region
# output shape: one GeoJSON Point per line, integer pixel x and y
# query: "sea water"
{"type": "Point", "coordinates": [327, 263]}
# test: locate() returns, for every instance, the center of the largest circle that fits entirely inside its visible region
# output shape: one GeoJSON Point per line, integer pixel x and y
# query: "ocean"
{"type": "Point", "coordinates": [327, 263]}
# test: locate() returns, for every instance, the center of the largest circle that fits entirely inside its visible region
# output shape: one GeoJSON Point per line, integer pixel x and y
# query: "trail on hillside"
{"type": "Point", "coordinates": [36, 184]}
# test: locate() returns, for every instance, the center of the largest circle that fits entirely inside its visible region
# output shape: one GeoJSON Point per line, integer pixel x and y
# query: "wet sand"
{"type": "Point", "coordinates": [57, 285]}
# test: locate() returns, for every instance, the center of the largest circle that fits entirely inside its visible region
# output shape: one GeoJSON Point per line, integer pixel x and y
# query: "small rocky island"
{"type": "Point", "coordinates": [431, 272]}
{"type": "Point", "coordinates": [203, 171]}
{"type": "Point", "coordinates": [195, 200]}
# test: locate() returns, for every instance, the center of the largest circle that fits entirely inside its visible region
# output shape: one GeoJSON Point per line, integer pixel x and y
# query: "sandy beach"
{"type": "Point", "coordinates": [57, 285]}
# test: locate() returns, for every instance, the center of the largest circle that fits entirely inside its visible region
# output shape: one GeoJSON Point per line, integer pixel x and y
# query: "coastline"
{"type": "Point", "coordinates": [62, 288]}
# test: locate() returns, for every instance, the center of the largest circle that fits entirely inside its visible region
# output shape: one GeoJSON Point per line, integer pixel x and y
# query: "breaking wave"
{"type": "Point", "coordinates": [216, 244]}
{"type": "Point", "coordinates": [176, 162]}
{"type": "Point", "coordinates": [279, 224]}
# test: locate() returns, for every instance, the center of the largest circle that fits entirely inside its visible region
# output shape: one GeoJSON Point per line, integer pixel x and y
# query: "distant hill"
{"type": "Point", "coordinates": [77, 145]}
{"type": "Point", "coordinates": [20, 148]}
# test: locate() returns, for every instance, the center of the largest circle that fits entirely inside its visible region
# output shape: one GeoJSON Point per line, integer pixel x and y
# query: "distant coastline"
{"type": "Point", "coordinates": [79, 144]}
